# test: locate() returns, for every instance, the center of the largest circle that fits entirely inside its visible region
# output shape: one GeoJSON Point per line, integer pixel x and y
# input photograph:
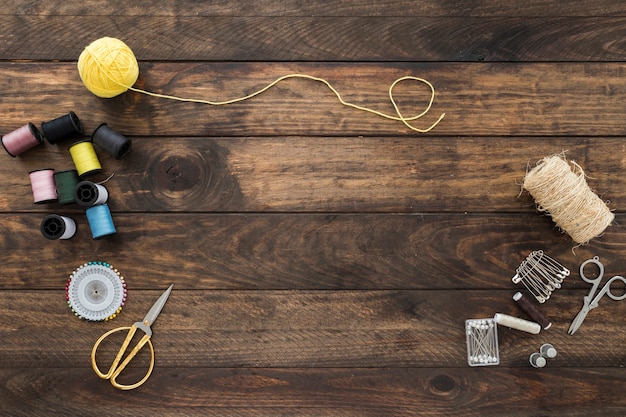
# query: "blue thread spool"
{"type": "Point", "coordinates": [62, 127]}
{"type": "Point", "coordinates": [114, 143]}
{"type": "Point", "coordinates": [100, 221]}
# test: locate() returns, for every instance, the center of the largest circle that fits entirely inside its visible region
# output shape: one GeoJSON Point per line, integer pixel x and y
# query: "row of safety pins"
{"type": "Point", "coordinates": [70, 186]}
{"type": "Point", "coordinates": [541, 275]}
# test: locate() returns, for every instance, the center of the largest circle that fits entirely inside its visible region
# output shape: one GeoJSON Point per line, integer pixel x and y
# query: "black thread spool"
{"type": "Point", "coordinates": [90, 194]}
{"type": "Point", "coordinates": [55, 227]}
{"type": "Point", "coordinates": [62, 127]}
{"type": "Point", "coordinates": [114, 143]}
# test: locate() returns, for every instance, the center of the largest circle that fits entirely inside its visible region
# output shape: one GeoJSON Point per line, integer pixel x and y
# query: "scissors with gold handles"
{"type": "Point", "coordinates": [116, 368]}
{"type": "Point", "coordinates": [591, 300]}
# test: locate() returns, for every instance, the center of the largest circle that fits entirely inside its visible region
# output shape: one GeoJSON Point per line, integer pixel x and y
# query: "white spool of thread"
{"type": "Point", "coordinates": [90, 194]}
{"type": "Point", "coordinates": [55, 227]}
{"type": "Point", "coordinates": [517, 323]}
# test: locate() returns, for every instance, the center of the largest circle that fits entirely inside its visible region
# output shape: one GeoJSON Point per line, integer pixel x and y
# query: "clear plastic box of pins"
{"type": "Point", "coordinates": [482, 342]}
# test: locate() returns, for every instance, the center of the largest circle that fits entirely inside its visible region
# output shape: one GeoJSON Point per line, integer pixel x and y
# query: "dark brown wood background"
{"type": "Point", "coordinates": [324, 260]}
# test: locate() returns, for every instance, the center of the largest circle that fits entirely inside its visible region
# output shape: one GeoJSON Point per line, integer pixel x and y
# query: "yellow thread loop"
{"type": "Point", "coordinates": [108, 68]}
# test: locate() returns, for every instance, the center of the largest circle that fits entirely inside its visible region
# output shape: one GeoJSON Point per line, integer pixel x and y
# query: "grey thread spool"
{"type": "Point", "coordinates": [90, 194]}
{"type": "Point", "coordinates": [55, 227]}
{"type": "Point", "coordinates": [114, 143]}
{"type": "Point", "coordinates": [531, 310]}
{"type": "Point", "coordinates": [62, 127]}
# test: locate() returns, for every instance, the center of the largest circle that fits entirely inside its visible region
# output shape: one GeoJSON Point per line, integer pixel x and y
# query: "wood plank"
{"type": "Point", "coordinates": [478, 99]}
{"type": "Point", "coordinates": [354, 392]}
{"type": "Point", "coordinates": [302, 251]}
{"type": "Point", "coordinates": [208, 329]}
{"type": "Point", "coordinates": [295, 8]}
{"type": "Point", "coordinates": [370, 38]}
{"type": "Point", "coordinates": [322, 174]}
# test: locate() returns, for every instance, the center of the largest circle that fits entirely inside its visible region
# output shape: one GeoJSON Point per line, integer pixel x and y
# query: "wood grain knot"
{"type": "Point", "coordinates": [183, 177]}
{"type": "Point", "coordinates": [178, 174]}
{"type": "Point", "coordinates": [442, 384]}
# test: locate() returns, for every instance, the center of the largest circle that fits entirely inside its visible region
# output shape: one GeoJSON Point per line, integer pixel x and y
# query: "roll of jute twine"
{"type": "Point", "coordinates": [560, 189]}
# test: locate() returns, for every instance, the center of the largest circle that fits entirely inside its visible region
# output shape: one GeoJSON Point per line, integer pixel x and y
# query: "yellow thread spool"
{"type": "Point", "coordinates": [85, 158]}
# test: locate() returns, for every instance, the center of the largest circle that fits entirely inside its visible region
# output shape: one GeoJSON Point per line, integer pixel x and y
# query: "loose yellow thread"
{"type": "Point", "coordinates": [108, 67]}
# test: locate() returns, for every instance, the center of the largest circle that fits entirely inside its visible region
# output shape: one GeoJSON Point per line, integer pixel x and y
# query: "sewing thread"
{"type": "Point", "coordinates": [21, 139]}
{"type": "Point", "coordinates": [66, 182]}
{"type": "Point", "coordinates": [111, 141]}
{"type": "Point", "coordinates": [90, 194]}
{"type": "Point", "coordinates": [560, 189]}
{"type": "Point", "coordinates": [517, 323]}
{"type": "Point", "coordinates": [534, 313]}
{"type": "Point", "coordinates": [100, 221]}
{"type": "Point", "coordinates": [62, 127]}
{"type": "Point", "coordinates": [55, 227]}
{"type": "Point", "coordinates": [108, 67]}
{"type": "Point", "coordinates": [85, 158]}
{"type": "Point", "coordinates": [42, 185]}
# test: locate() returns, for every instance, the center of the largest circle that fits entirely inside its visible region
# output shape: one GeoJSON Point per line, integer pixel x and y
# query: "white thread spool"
{"type": "Point", "coordinates": [55, 227]}
{"type": "Point", "coordinates": [90, 194]}
{"type": "Point", "coordinates": [517, 323]}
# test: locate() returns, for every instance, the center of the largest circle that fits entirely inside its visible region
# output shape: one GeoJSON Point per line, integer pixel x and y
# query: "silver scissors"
{"type": "Point", "coordinates": [590, 301]}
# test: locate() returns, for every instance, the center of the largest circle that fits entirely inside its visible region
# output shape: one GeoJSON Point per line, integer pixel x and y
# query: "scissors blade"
{"type": "Point", "coordinates": [578, 320]}
{"type": "Point", "coordinates": [156, 308]}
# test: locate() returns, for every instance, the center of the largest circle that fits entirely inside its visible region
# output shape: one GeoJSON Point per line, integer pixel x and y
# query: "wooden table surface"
{"type": "Point", "coordinates": [324, 260]}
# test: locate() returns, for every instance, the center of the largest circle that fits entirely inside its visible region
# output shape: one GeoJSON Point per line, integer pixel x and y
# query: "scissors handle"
{"type": "Point", "coordinates": [607, 289]}
{"type": "Point", "coordinates": [116, 368]}
{"type": "Point", "coordinates": [596, 261]}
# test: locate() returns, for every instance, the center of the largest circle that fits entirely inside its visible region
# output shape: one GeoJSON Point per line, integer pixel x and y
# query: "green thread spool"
{"type": "Point", "coordinates": [66, 182]}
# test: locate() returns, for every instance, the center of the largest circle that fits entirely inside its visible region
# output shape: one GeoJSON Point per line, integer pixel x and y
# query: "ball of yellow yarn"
{"type": "Point", "coordinates": [108, 67]}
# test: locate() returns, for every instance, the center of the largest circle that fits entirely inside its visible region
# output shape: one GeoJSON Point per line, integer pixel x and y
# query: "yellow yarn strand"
{"type": "Point", "coordinates": [108, 68]}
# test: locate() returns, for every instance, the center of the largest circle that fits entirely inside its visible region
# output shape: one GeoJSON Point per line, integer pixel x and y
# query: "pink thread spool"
{"type": "Point", "coordinates": [42, 184]}
{"type": "Point", "coordinates": [21, 139]}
